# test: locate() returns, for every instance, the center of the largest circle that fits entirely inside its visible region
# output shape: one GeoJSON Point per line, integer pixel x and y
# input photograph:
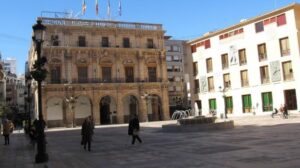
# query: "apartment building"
{"type": "Point", "coordinates": [250, 67]}
{"type": "Point", "coordinates": [177, 68]}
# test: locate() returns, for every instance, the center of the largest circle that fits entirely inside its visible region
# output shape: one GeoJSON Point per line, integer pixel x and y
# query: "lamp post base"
{"type": "Point", "coordinates": [41, 155]}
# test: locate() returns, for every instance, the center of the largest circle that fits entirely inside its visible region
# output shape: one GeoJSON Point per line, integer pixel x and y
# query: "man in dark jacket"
{"type": "Point", "coordinates": [87, 132]}
{"type": "Point", "coordinates": [134, 128]}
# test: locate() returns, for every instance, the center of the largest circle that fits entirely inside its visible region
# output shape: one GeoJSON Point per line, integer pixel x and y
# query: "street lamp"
{"type": "Point", "coordinates": [223, 90]}
{"type": "Point", "coordinates": [28, 100]}
{"type": "Point", "coordinates": [39, 74]}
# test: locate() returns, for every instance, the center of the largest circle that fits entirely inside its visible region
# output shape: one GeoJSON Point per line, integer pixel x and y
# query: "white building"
{"type": "Point", "coordinates": [10, 65]}
{"type": "Point", "coordinates": [252, 66]}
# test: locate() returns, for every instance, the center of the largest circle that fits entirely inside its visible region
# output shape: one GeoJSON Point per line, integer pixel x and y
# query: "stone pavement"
{"type": "Point", "coordinates": [256, 141]}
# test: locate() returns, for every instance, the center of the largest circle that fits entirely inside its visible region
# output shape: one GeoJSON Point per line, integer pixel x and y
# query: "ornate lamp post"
{"type": "Point", "coordinates": [39, 74]}
{"type": "Point", "coordinates": [28, 99]}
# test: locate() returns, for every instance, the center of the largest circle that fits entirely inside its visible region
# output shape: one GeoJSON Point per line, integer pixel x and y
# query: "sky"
{"type": "Point", "coordinates": [181, 19]}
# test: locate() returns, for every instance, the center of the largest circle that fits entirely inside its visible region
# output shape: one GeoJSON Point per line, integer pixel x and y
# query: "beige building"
{"type": "Point", "coordinates": [106, 69]}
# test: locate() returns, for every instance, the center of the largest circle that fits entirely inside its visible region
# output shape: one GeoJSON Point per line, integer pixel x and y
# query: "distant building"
{"type": "Point", "coordinates": [177, 68]}
{"type": "Point", "coordinates": [10, 65]}
{"type": "Point", "coordinates": [107, 69]}
{"type": "Point", "coordinates": [250, 67]}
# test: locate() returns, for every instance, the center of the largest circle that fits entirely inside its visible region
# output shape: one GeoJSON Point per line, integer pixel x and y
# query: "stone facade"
{"type": "Point", "coordinates": [106, 69]}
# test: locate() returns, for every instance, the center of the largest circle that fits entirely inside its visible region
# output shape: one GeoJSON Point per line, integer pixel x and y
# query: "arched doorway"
{"type": "Point", "coordinates": [130, 107]}
{"type": "Point", "coordinates": [54, 110]}
{"type": "Point", "coordinates": [154, 108]}
{"type": "Point", "coordinates": [82, 109]}
{"type": "Point", "coordinates": [108, 111]}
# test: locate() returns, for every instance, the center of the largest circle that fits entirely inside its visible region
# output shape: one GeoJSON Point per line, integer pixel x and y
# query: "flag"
{"type": "Point", "coordinates": [120, 8]}
{"type": "Point", "coordinates": [83, 7]}
{"type": "Point", "coordinates": [97, 8]}
{"type": "Point", "coordinates": [108, 9]}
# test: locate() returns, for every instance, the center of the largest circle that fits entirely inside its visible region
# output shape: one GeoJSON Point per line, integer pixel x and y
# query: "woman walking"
{"type": "Point", "coordinates": [8, 128]}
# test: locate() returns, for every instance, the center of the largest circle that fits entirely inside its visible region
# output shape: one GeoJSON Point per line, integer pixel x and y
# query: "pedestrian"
{"type": "Point", "coordinates": [87, 131]}
{"type": "Point", "coordinates": [285, 111]}
{"type": "Point", "coordinates": [8, 128]}
{"type": "Point", "coordinates": [134, 128]}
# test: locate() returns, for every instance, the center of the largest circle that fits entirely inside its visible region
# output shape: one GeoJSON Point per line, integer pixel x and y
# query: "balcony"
{"type": "Point", "coordinates": [100, 80]}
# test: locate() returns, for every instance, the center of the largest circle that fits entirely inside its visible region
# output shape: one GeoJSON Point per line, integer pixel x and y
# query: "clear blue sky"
{"type": "Point", "coordinates": [182, 19]}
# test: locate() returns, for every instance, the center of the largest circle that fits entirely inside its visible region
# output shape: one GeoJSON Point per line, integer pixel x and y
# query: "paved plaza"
{"type": "Point", "coordinates": [256, 141]}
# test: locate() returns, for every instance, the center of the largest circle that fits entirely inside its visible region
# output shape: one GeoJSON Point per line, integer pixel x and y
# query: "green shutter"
{"type": "Point", "coordinates": [229, 103]}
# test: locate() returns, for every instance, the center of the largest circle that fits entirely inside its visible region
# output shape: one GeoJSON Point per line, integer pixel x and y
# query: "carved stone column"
{"type": "Point", "coordinates": [120, 110]}
{"type": "Point", "coordinates": [143, 114]}
{"type": "Point", "coordinates": [165, 102]}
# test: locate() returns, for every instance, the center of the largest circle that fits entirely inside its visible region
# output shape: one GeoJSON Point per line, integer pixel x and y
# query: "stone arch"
{"type": "Point", "coordinates": [130, 106]}
{"type": "Point", "coordinates": [154, 107]}
{"type": "Point", "coordinates": [108, 110]}
{"type": "Point", "coordinates": [54, 111]}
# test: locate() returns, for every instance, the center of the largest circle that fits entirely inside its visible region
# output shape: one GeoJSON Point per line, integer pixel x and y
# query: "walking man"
{"type": "Point", "coordinates": [87, 131]}
{"type": "Point", "coordinates": [134, 128]}
{"type": "Point", "coordinates": [8, 128]}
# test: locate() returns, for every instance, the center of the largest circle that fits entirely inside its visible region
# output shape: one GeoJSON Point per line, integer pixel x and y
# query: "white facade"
{"type": "Point", "coordinates": [10, 65]}
{"type": "Point", "coordinates": [244, 36]}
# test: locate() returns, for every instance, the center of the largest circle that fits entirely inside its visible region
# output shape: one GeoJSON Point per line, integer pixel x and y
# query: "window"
{"type": "Point", "coordinates": [207, 44]}
{"type": "Point", "coordinates": [106, 74]}
{"type": "Point", "coordinates": [82, 74]}
{"type": "Point", "coordinates": [209, 66]}
{"type": "Point", "coordinates": [244, 78]}
{"type": "Point", "coordinates": [195, 68]}
{"type": "Point", "coordinates": [169, 58]}
{"type": "Point", "coordinates": [176, 58]}
{"type": "Point", "coordinates": [281, 20]}
{"type": "Point", "coordinates": [224, 58]}
{"type": "Point", "coordinates": [211, 86]}
{"type": "Point", "coordinates": [177, 68]}
{"type": "Point", "coordinates": [55, 74]}
{"type": "Point", "coordinates": [287, 70]}
{"type": "Point", "coordinates": [229, 104]}
{"type": "Point", "coordinates": [81, 41]}
{"type": "Point", "coordinates": [259, 27]}
{"type": "Point", "coordinates": [196, 83]}
{"type": "Point", "coordinates": [126, 42]}
{"type": "Point", "coordinates": [267, 101]}
{"type": "Point", "coordinates": [150, 43]}
{"type": "Point", "coordinates": [152, 74]}
{"type": "Point", "coordinates": [247, 103]}
{"type": "Point", "coordinates": [226, 79]}
{"type": "Point", "coordinates": [212, 104]}
{"type": "Point", "coordinates": [169, 68]}
{"type": "Point", "coordinates": [284, 46]}
{"type": "Point", "coordinates": [242, 57]}
{"type": "Point", "coordinates": [168, 48]}
{"type": "Point", "coordinates": [264, 74]}
{"type": "Point", "coordinates": [129, 74]}
{"type": "Point", "coordinates": [105, 42]}
{"type": "Point", "coordinates": [193, 48]}
{"type": "Point", "coordinates": [54, 40]}
{"type": "Point", "coordinates": [175, 48]}
{"type": "Point", "coordinates": [171, 78]}
{"type": "Point", "coordinates": [262, 52]}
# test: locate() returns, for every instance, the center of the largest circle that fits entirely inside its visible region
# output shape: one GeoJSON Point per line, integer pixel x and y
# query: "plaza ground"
{"type": "Point", "coordinates": [256, 141]}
